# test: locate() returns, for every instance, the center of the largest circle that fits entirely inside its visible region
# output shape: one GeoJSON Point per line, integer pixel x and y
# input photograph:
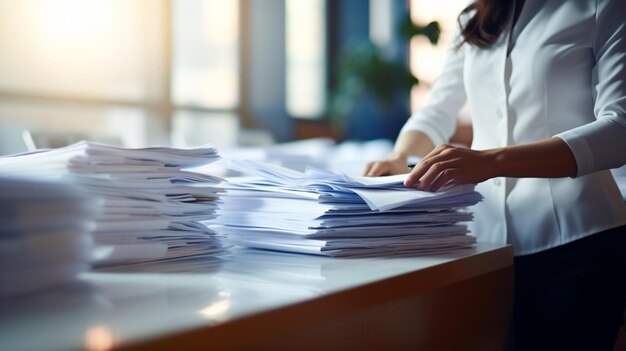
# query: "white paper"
{"type": "Point", "coordinates": [330, 213]}
{"type": "Point", "coordinates": [147, 195]}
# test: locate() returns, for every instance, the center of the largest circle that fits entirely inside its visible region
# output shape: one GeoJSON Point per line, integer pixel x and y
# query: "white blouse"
{"type": "Point", "coordinates": [560, 72]}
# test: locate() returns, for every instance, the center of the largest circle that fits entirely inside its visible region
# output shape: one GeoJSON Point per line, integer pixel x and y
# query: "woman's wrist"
{"type": "Point", "coordinates": [398, 156]}
{"type": "Point", "coordinates": [500, 158]}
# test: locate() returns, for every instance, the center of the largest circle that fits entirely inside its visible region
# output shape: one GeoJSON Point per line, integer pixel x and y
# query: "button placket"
{"type": "Point", "coordinates": [503, 124]}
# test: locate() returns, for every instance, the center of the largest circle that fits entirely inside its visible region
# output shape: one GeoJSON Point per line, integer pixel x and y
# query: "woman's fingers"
{"type": "Point", "coordinates": [440, 153]}
{"type": "Point", "coordinates": [444, 164]}
{"type": "Point", "coordinates": [434, 172]}
{"type": "Point", "coordinates": [386, 167]}
{"type": "Point", "coordinates": [378, 168]}
{"type": "Point", "coordinates": [430, 172]}
{"type": "Point", "coordinates": [444, 177]}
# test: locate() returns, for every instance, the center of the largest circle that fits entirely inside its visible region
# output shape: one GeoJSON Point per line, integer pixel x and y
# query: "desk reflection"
{"type": "Point", "coordinates": [147, 303]}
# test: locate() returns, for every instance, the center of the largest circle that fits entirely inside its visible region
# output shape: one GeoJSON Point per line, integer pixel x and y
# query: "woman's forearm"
{"type": "Point", "coordinates": [550, 158]}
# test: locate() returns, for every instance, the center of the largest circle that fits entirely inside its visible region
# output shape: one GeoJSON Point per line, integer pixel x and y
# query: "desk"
{"type": "Point", "coordinates": [274, 301]}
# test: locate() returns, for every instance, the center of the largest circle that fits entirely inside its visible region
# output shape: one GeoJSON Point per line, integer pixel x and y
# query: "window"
{"type": "Point", "coordinates": [182, 72]}
{"type": "Point", "coordinates": [426, 60]}
{"type": "Point", "coordinates": [140, 71]}
{"type": "Point", "coordinates": [305, 47]}
{"type": "Point", "coordinates": [205, 72]}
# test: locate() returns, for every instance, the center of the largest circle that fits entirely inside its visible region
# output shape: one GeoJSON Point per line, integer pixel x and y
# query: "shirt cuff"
{"type": "Point", "coordinates": [581, 151]}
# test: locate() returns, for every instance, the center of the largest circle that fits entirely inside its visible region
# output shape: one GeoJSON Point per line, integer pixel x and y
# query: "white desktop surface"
{"type": "Point", "coordinates": [127, 309]}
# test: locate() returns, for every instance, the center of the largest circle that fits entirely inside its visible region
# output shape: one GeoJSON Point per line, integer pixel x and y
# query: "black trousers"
{"type": "Point", "coordinates": [571, 297]}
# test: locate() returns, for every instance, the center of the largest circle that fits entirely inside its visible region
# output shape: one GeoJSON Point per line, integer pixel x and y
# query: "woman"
{"type": "Point", "coordinates": [545, 81]}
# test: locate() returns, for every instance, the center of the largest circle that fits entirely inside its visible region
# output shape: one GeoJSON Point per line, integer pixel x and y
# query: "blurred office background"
{"type": "Point", "coordinates": [230, 72]}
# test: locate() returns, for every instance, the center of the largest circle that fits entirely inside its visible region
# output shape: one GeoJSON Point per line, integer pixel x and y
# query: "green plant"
{"type": "Point", "coordinates": [364, 68]}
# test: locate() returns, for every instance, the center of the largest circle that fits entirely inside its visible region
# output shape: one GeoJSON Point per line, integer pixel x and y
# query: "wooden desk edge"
{"type": "Point", "coordinates": [268, 324]}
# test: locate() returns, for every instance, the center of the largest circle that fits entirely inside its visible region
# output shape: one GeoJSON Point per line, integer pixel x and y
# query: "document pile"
{"type": "Point", "coordinates": [152, 207]}
{"type": "Point", "coordinates": [44, 236]}
{"type": "Point", "coordinates": [329, 213]}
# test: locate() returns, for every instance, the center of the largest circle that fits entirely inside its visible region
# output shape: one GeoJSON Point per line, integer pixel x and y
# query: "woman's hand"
{"type": "Point", "coordinates": [386, 167]}
{"type": "Point", "coordinates": [449, 163]}
{"type": "Point", "coordinates": [409, 143]}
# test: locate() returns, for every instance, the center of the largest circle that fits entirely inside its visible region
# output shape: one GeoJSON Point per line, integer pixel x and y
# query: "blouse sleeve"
{"type": "Point", "coordinates": [601, 144]}
{"type": "Point", "coordinates": [437, 119]}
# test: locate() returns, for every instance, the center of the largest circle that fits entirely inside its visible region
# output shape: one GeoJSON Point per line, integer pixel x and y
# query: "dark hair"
{"type": "Point", "coordinates": [487, 22]}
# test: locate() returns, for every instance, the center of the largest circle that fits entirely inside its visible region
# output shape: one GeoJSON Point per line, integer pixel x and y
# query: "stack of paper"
{"type": "Point", "coordinates": [44, 238]}
{"type": "Point", "coordinates": [151, 205]}
{"type": "Point", "coordinates": [328, 213]}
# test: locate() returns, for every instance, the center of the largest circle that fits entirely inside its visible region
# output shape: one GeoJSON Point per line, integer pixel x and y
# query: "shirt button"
{"type": "Point", "coordinates": [497, 182]}
{"type": "Point", "coordinates": [499, 114]}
